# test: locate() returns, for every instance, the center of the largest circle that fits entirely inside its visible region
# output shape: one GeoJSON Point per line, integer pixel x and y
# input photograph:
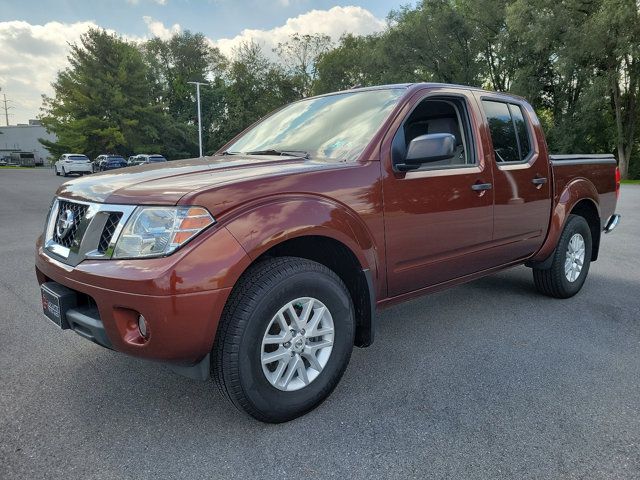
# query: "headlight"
{"type": "Point", "coordinates": [159, 231]}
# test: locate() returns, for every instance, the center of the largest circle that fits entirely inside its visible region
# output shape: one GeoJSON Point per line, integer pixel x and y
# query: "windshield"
{"type": "Point", "coordinates": [333, 127]}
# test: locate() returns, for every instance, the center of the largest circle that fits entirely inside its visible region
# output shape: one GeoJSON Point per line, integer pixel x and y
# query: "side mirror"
{"type": "Point", "coordinates": [428, 148]}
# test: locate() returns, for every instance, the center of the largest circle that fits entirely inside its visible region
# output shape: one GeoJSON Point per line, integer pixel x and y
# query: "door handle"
{"type": "Point", "coordinates": [479, 187]}
{"type": "Point", "coordinates": [539, 180]}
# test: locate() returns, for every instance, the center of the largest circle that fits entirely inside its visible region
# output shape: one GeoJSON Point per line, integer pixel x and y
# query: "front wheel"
{"type": "Point", "coordinates": [571, 261]}
{"type": "Point", "coordinates": [284, 339]}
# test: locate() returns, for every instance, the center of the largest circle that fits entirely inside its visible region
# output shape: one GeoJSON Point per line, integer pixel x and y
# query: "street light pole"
{"type": "Point", "coordinates": [197, 84]}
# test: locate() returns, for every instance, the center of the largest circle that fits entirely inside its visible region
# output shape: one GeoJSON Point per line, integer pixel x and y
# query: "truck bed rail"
{"type": "Point", "coordinates": [581, 159]}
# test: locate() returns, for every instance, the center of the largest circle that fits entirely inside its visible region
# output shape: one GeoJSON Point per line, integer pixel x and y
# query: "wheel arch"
{"type": "Point", "coordinates": [339, 258]}
{"type": "Point", "coordinates": [579, 197]}
{"type": "Point", "coordinates": [587, 209]}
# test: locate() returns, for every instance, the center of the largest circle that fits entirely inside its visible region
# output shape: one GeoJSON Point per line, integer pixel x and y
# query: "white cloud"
{"type": "Point", "coordinates": [157, 28]}
{"type": "Point", "coordinates": [30, 57]}
{"type": "Point", "coordinates": [333, 22]}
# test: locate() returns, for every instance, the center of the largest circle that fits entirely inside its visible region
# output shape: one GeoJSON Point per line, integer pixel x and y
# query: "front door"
{"type": "Point", "coordinates": [439, 217]}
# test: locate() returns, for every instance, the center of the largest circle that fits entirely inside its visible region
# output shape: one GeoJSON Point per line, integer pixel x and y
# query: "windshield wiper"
{"type": "Point", "coordinates": [284, 153]}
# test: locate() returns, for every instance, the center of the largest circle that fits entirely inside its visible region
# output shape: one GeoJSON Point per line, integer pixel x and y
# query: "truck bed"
{"type": "Point", "coordinates": [597, 169]}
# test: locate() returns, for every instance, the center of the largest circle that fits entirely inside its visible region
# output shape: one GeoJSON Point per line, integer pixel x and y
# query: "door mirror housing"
{"type": "Point", "coordinates": [428, 148]}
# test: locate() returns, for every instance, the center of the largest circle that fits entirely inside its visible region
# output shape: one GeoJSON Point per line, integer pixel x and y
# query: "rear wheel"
{"type": "Point", "coordinates": [55, 169]}
{"type": "Point", "coordinates": [64, 172]}
{"type": "Point", "coordinates": [571, 261]}
{"type": "Point", "coordinates": [284, 339]}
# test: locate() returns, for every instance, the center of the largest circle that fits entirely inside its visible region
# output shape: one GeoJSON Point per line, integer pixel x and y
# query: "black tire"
{"type": "Point", "coordinates": [553, 281]}
{"type": "Point", "coordinates": [55, 169]}
{"type": "Point", "coordinates": [259, 294]}
{"type": "Point", "coordinates": [64, 172]}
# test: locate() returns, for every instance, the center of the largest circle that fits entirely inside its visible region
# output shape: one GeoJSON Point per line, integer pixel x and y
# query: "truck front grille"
{"type": "Point", "coordinates": [78, 211]}
{"type": "Point", "coordinates": [76, 231]}
{"type": "Point", "coordinates": [108, 231]}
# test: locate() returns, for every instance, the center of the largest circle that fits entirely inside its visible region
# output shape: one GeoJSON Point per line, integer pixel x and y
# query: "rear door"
{"type": "Point", "coordinates": [522, 177]}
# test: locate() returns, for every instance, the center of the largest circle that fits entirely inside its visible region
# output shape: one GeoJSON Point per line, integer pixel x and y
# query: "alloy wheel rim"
{"type": "Point", "coordinates": [297, 344]}
{"type": "Point", "coordinates": [574, 259]}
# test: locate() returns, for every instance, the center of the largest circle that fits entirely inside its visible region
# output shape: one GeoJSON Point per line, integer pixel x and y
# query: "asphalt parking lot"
{"type": "Point", "coordinates": [487, 380]}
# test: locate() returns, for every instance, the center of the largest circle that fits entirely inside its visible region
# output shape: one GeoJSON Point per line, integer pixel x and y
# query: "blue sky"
{"type": "Point", "coordinates": [34, 34]}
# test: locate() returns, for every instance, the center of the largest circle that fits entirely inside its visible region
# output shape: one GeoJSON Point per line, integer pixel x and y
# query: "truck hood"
{"type": "Point", "coordinates": [166, 183]}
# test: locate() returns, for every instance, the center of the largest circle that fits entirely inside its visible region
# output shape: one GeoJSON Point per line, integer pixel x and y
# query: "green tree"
{"type": "Point", "coordinates": [173, 63]}
{"type": "Point", "coordinates": [434, 42]}
{"type": "Point", "coordinates": [254, 86]}
{"type": "Point", "coordinates": [355, 61]}
{"type": "Point", "coordinates": [102, 101]}
{"type": "Point", "coordinates": [299, 55]}
{"type": "Point", "coordinates": [580, 62]}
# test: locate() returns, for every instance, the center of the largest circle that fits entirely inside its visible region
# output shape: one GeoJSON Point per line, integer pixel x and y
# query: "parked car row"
{"type": "Point", "coordinates": [70, 163]}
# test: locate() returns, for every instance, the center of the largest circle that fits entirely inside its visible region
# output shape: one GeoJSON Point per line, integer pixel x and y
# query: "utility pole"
{"type": "Point", "coordinates": [197, 84]}
{"type": "Point", "coordinates": [5, 107]}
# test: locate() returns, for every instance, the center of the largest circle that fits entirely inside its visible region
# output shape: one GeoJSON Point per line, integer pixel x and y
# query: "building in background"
{"type": "Point", "coordinates": [24, 138]}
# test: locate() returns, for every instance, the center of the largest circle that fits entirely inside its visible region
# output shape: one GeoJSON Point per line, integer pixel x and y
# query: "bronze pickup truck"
{"type": "Point", "coordinates": [263, 265]}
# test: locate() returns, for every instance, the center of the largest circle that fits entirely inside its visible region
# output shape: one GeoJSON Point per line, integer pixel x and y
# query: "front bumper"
{"type": "Point", "coordinates": [181, 327]}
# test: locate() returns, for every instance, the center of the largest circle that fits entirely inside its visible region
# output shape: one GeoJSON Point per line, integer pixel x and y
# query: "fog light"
{"type": "Point", "coordinates": [142, 326]}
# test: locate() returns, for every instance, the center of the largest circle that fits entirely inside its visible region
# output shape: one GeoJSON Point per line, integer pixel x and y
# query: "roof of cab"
{"type": "Point", "coordinates": [420, 85]}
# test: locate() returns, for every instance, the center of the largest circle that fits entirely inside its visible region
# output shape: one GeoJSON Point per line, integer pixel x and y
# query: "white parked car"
{"type": "Point", "coordinates": [70, 163]}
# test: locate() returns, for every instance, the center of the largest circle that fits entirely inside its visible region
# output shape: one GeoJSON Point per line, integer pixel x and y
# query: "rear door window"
{"type": "Point", "coordinates": [509, 132]}
{"type": "Point", "coordinates": [521, 130]}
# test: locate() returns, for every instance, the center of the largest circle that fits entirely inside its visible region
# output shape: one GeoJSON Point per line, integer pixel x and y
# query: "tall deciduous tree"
{"type": "Point", "coordinates": [355, 61]}
{"type": "Point", "coordinates": [435, 42]}
{"type": "Point", "coordinates": [173, 63]}
{"type": "Point", "coordinates": [253, 87]}
{"type": "Point", "coordinates": [583, 66]}
{"type": "Point", "coordinates": [299, 55]}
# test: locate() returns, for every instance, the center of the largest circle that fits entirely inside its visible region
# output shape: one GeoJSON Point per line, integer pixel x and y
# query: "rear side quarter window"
{"type": "Point", "coordinates": [509, 131]}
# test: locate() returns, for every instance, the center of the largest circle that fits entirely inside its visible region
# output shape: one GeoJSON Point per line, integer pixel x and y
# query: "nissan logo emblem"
{"type": "Point", "coordinates": [65, 223]}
